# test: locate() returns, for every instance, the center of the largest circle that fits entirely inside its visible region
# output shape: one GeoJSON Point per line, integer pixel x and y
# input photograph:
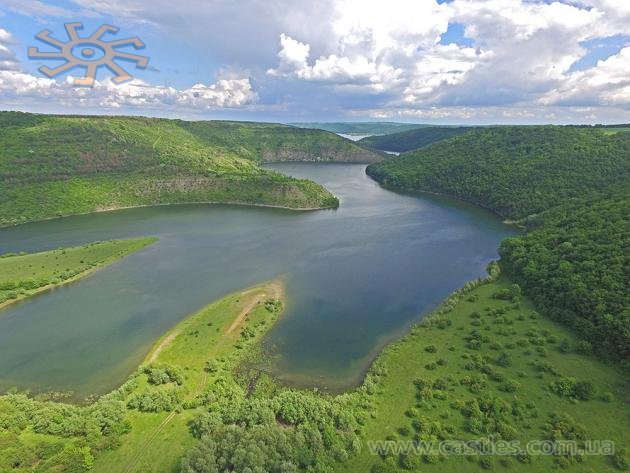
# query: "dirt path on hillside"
{"type": "Point", "coordinates": [274, 291]}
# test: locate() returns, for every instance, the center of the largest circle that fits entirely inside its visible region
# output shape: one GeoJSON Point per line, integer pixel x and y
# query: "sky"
{"type": "Point", "coordinates": [422, 61]}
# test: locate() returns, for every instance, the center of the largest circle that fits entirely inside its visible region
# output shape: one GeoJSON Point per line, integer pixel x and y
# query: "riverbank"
{"type": "Point", "coordinates": [415, 192]}
{"type": "Point", "coordinates": [486, 365]}
{"type": "Point", "coordinates": [27, 275]}
{"type": "Point", "coordinates": [204, 348]}
{"type": "Point", "coordinates": [169, 204]}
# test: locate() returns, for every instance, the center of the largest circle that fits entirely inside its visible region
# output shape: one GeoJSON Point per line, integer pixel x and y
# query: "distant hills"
{"type": "Point", "coordinates": [360, 128]}
{"type": "Point", "coordinates": [61, 165]}
{"type": "Point", "coordinates": [412, 139]}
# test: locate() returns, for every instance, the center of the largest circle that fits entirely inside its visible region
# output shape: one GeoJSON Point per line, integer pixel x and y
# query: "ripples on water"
{"type": "Point", "coordinates": [356, 277]}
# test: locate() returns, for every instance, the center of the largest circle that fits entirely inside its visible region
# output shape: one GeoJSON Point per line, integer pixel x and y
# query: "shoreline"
{"type": "Point", "coordinates": [73, 279]}
{"type": "Point", "coordinates": [278, 286]}
{"type": "Point", "coordinates": [300, 382]}
{"type": "Point", "coordinates": [407, 191]}
{"type": "Point", "coordinates": [127, 207]}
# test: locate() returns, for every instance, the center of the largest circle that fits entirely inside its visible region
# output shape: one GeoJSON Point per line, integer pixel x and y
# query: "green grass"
{"type": "Point", "coordinates": [473, 346]}
{"type": "Point", "coordinates": [61, 165]}
{"type": "Point", "coordinates": [612, 131]}
{"type": "Point", "coordinates": [22, 275]}
{"type": "Point", "coordinates": [200, 338]}
{"type": "Point", "coordinates": [528, 339]}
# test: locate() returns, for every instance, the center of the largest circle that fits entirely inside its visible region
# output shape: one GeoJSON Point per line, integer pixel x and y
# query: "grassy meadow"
{"type": "Point", "coordinates": [22, 275]}
{"type": "Point", "coordinates": [200, 349]}
{"type": "Point", "coordinates": [486, 365]}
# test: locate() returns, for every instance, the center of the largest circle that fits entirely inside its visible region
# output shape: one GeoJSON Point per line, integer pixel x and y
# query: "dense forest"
{"type": "Point", "coordinates": [404, 141]}
{"type": "Point", "coordinates": [569, 187]}
{"type": "Point", "coordinates": [60, 165]}
{"type": "Point", "coordinates": [575, 267]}
{"type": "Point", "coordinates": [514, 171]}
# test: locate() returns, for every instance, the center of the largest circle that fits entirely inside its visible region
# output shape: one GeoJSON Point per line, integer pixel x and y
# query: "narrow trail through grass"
{"type": "Point", "coordinates": [157, 440]}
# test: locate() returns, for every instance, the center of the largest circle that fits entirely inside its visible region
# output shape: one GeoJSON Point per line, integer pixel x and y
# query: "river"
{"type": "Point", "coordinates": [356, 278]}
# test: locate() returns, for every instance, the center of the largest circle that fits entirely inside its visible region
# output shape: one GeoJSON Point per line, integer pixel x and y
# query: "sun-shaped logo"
{"type": "Point", "coordinates": [89, 53]}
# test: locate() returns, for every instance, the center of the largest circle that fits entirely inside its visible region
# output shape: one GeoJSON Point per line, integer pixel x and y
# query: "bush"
{"type": "Point", "coordinates": [430, 349]}
{"type": "Point", "coordinates": [569, 387]}
{"type": "Point", "coordinates": [620, 459]}
{"type": "Point", "coordinates": [503, 360]}
{"type": "Point", "coordinates": [204, 424]}
{"type": "Point", "coordinates": [510, 386]}
{"type": "Point", "coordinates": [164, 374]}
{"type": "Point", "coordinates": [154, 401]}
{"type": "Point", "coordinates": [585, 348]}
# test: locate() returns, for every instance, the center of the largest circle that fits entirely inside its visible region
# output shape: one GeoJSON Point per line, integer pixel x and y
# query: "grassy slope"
{"type": "Point", "coordinates": [512, 333]}
{"type": "Point", "coordinates": [515, 171]}
{"type": "Point", "coordinates": [60, 165]}
{"type": "Point", "coordinates": [24, 275]}
{"type": "Point", "coordinates": [271, 142]}
{"type": "Point", "coordinates": [157, 441]}
{"type": "Point", "coordinates": [408, 140]}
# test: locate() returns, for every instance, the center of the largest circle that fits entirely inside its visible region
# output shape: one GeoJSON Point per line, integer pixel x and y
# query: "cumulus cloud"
{"type": "Point", "coordinates": [28, 89]}
{"type": "Point", "coordinates": [608, 83]}
{"type": "Point", "coordinates": [8, 61]}
{"type": "Point", "coordinates": [387, 58]}
{"type": "Point", "coordinates": [358, 70]}
{"type": "Point", "coordinates": [521, 52]}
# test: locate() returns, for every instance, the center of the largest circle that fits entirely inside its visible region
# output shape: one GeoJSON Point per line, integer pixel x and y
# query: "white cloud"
{"type": "Point", "coordinates": [382, 57]}
{"type": "Point", "coordinates": [358, 70]}
{"type": "Point", "coordinates": [41, 10]}
{"type": "Point", "coordinates": [28, 89]}
{"type": "Point", "coordinates": [8, 61]}
{"type": "Point", "coordinates": [293, 55]}
{"type": "Point", "coordinates": [608, 83]}
{"type": "Point", "coordinates": [522, 52]}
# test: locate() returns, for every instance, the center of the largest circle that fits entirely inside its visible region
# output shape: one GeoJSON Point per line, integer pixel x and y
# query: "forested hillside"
{"type": "Point", "coordinates": [271, 142]}
{"type": "Point", "coordinates": [569, 186]}
{"type": "Point", "coordinates": [412, 139]}
{"type": "Point", "coordinates": [61, 165]}
{"type": "Point", "coordinates": [514, 171]}
{"type": "Point", "coordinates": [575, 266]}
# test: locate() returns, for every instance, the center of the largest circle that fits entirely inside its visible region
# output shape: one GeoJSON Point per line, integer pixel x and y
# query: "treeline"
{"type": "Point", "coordinates": [514, 171]}
{"type": "Point", "coordinates": [575, 268]}
{"type": "Point", "coordinates": [288, 431]}
{"type": "Point", "coordinates": [38, 435]}
{"type": "Point", "coordinates": [412, 139]}
{"type": "Point", "coordinates": [569, 187]}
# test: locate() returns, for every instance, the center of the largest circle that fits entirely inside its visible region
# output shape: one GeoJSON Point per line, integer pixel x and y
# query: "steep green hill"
{"type": "Point", "coordinates": [569, 185]}
{"type": "Point", "coordinates": [514, 171]}
{"type": "Point", "coordinates": [61, 165]}
{"type": "Point", "coordinates": [271, 142]}
{"type": "Point", "coordinates": [412, 139]}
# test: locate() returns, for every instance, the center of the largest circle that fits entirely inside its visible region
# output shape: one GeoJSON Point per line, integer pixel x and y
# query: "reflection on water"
{"type": "Point", "coordinates": [356, 276]}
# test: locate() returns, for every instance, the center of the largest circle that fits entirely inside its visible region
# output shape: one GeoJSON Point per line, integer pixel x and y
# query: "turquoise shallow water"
{"type": "Point", "coordinates": [356, 277]}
